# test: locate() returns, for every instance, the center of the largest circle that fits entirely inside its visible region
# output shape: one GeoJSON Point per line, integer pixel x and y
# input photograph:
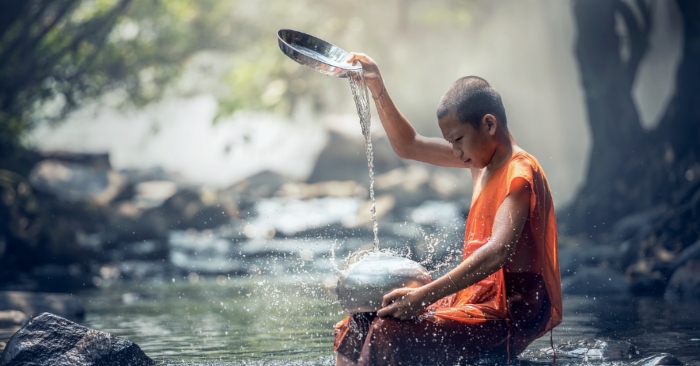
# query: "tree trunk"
{"type": "Point", "coordinates": [632, 170]}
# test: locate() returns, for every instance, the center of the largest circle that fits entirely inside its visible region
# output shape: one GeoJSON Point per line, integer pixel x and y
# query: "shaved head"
{"type": "Point", "coordinates": [472, 97]}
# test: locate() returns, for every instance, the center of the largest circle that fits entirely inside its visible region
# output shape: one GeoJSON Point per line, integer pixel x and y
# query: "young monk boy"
{"type": "Point", "coordinates": [506, 292]}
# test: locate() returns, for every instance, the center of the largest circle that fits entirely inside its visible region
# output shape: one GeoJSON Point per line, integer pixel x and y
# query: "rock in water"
{"type": "Point", "coordinates": [51, 340]}
{"type": "Point", "coordinates": [597, 349]}
{"type": "Point", "coordinates": [663, 359]}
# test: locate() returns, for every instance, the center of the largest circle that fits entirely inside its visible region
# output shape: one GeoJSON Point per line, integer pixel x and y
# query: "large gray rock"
{"type": "Point", "coordinates": [51, 340]}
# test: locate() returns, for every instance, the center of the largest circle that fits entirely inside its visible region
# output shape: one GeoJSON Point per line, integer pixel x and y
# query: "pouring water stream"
{"type": "Point", "coordinates": [359, 93]}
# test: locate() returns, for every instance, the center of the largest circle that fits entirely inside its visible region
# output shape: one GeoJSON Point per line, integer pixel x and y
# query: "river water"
{"type": "Point", "coordinates": [281, 320]}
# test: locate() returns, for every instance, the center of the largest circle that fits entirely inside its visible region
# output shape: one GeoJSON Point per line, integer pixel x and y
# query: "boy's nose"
{"type": "Point", "coordinates": [456, 151]}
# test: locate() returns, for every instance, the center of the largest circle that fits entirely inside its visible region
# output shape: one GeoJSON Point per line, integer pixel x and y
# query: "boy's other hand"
{"type": "Point", "coordinates": [373, 77]}
{"type": "Point", "coordinates": [403, 303]}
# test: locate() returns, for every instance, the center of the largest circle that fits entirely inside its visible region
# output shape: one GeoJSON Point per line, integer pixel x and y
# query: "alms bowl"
{"type": "Point", "coordinates": [315, 53]}
{"type": "Point", "coordinates": [363, 284]}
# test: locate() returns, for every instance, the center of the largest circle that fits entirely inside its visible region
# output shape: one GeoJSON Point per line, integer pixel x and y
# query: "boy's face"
{"type": "Point", "coordinates": [474, 146]}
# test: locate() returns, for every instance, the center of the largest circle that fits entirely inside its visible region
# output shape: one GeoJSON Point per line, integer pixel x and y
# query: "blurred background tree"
{"type": "Point", "coordinates": [66, 52]}
{"type": "Point", "coordinates": [633, 169]}
{"type": "Point", "coordinates": [642, 178]}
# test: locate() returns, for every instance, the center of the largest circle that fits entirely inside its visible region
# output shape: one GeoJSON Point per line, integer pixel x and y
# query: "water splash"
{"type": "Point", "coordinates": [359, 93]}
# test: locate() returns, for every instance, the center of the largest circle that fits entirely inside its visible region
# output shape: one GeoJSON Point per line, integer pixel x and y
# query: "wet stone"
{"type": "Point", "coordinates": [663, 359]}
{"type": "Point", "coordinates": [588, 349]}
{"type": "Point", "coordinates": [51, 340]}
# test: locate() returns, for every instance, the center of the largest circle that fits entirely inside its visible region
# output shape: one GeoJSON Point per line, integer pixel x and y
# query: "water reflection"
{"type": "Point", "coordinates": [283, 320]}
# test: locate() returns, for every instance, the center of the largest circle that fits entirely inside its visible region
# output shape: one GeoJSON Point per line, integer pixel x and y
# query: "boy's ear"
{"type": "Point", "coordinates": [489, 122]}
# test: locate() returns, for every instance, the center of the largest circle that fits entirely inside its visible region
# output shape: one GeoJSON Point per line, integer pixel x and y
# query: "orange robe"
{"type": "Point", "coordinates": [497, 317]}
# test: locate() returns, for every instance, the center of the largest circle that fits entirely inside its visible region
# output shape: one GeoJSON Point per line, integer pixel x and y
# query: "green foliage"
{"type": "Point", "coordinates": [65, 52]}
{"type": "Point", "coordinates": [256, 81]}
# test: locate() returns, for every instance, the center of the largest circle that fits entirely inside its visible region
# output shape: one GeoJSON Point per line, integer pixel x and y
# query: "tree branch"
{"type": "Point", "coordinates": [59, 16]}
{"type": "Point", "coordinates": [12, 13]}
{"type": "Point", "coordinates": [106, 22]}
{"type": "Point", "coordinates": [23, 35]}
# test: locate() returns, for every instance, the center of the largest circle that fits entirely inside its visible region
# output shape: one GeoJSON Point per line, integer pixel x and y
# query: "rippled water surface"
{"type": "Point", "coordinates": [289, 319]}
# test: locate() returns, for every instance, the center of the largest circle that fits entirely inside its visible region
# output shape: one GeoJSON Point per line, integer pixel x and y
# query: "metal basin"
{"type": "Point", "coordinates": [315, 53]}
{"type": "Point", "coordinates": [362, 285]}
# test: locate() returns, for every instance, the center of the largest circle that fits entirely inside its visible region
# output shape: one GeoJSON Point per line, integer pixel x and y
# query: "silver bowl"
{"type": "Point", "coordinates": [315, 53]}
{"type": "Point", "coordinates": [363, 284]}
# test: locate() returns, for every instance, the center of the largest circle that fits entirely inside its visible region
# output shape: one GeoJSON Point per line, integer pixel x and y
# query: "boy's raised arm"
{"type": "Point", "coordinates": [405, 141]}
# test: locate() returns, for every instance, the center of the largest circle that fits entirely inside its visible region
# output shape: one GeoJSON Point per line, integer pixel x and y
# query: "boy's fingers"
{"type": "Point", "coordinates": [393, 296]}
{"type": "Point", "coordinates": [359, 57]}
{"type": "Point", "coordinates": [355, 56]}
{"type": "Point", "coordinates": [384, 311]}
{"type": "Point", "coordinates": [387, 299]}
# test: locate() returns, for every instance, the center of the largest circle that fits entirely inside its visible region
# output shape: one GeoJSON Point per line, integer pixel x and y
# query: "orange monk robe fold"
{"type": "Point", "coordinates": [502, 313]}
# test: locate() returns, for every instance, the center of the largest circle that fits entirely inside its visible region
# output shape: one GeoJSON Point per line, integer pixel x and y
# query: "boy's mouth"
{"type": "Point", "coordinates": [467, 161]}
